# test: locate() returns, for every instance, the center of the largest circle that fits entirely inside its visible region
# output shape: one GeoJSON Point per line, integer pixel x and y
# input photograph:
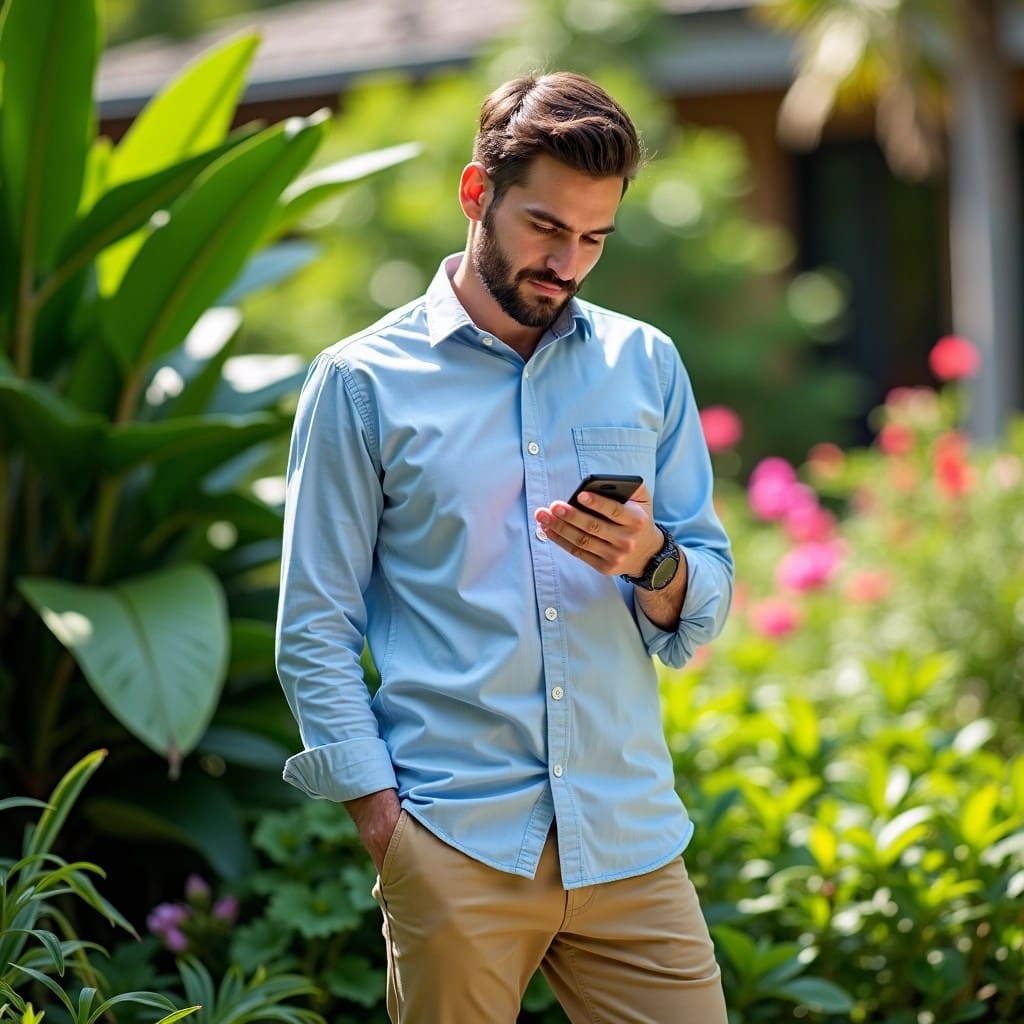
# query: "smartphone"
{"type": "Point", "coordinates": [609, 485]}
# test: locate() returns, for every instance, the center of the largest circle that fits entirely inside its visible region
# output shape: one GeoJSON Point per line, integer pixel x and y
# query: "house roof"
{"type": "Point", "coordinates": [313, 47]}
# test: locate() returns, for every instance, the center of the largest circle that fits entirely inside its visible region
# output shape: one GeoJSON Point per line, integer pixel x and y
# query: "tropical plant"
{"type": "Point", "coordinates": [31, 890]}
{"type": "Point", "coordinates": [133, 524]}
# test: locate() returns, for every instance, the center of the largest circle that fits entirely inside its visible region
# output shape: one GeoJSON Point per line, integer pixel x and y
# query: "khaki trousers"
{"type": "Point", "coordinates": [463, 940]}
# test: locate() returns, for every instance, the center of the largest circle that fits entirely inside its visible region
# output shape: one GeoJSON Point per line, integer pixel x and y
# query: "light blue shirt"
{"type": "Point", "coordinates": [517, 683]}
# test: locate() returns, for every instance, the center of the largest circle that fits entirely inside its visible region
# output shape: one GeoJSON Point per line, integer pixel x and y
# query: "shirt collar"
{"type": "Point", "coordinates": [446, 316]}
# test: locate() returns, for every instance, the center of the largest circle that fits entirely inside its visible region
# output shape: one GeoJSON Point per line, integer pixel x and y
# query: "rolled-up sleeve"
{"type": "Point", "coordinates": [684, 505]}
{"type": "Point", "coordinates": [332, 511]}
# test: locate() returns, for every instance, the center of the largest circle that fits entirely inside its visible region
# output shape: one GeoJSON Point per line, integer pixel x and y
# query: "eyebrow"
{"type": "Point", "coordinates": [538, 214]}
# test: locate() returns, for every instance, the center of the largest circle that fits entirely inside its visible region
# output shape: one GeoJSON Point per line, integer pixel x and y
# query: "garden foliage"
{"type": "Point", "coordinates": [134, 525]}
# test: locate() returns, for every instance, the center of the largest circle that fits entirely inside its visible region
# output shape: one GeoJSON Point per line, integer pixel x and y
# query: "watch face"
{"type": "Point", "coordinates": [665, 572]}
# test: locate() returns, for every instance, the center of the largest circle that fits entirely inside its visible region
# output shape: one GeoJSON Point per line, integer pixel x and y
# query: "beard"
{"type": "Point", "coordinates": [494, 268]}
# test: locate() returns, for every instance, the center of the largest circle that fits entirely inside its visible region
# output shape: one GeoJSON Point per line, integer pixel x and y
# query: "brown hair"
{"type": "Point", "coordinates": [561, 115]}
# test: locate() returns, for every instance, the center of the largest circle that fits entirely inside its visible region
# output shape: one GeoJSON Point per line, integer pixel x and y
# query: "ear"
{"type": "Point", "coordinates": [474, 190]}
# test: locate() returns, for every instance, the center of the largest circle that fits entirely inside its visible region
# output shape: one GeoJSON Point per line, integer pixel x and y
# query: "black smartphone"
{"type": "Point", "coordinates": [616, 486]}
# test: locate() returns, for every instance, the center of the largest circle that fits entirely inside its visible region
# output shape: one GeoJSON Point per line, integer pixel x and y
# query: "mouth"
{"type": "Point", "coordinates": [546, 288]}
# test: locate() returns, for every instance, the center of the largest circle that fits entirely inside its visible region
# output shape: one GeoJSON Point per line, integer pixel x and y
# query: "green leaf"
{"type": "Point", "coordinates": [895, 836]}
{"type": "Point", "coordinates": [62, 799]}
{"type": "Point", "coordinates": [816, 993]}
{"type": "Point", "coordinates": [354, 978]}
{"type": "Point", "coordinates": [194, 444]}
{"type": "Point", "coordinates": [188, 262]}
{"type": "Point", "coordinates": [128, 206]}
{"type": "Point", "coordinates": [59, 437]}
{"type": "Point", "coordinates": [243, 747]}
{"type": "Point", "coordinates": [976, 816]}
{"type": "Point", "coordinates": [316, 912]}
{"type": "Point", "coordinates": [12, 802]}
{"type": "Point", "coordinates": [200, 360]}
{"type": "Point", "coordinates": [312, 189]}
{"type": "Point", "coordinates": [259, 943]}
{"type": "Point", "coordinates": [252, 647]}
{"type": "Point", "coordinates": [196, 812]}
{"type": "Point", "coordinates": [269, 267]}
{"type": "Point", "coordinates": [256, 382]}
{"type": "Point", "coordinates": [48, 49]}
{"type": "Point", "coordinates": [154, 648]}
{"type": "Point", "coordinates": [741, 950]}
{"type": "Point", "coordinates": [190, 114]}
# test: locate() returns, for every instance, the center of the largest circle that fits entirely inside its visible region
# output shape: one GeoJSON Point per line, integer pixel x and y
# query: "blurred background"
{"type": "Point", "coordinates": [835, 184]}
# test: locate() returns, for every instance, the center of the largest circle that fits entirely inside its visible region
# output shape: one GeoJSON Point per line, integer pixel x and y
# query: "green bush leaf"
{"type": "Point", "coordinates": [48, 49]}
{"type": "Point", "coordinates": [153, 648]}
{"type": "Point", "coordinates": [816, 993]}
{"type": "Point", "coordinates": [188, 262]}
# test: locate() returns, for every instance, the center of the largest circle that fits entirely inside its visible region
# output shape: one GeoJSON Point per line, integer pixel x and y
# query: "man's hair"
{"type": "Point", "coordinates": [562, 115]}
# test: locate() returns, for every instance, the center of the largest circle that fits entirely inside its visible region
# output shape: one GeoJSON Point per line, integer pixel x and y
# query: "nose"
{"type": "Point", "coordinates": [564, 257]}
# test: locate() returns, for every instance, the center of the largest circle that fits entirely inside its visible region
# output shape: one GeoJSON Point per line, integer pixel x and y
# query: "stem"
{"type": "Point", "coordinates": [110, 486]}
{"type": "Point", "coordinates": [52, 701]}
{"type": "Point", "coordinates": [32, 517]}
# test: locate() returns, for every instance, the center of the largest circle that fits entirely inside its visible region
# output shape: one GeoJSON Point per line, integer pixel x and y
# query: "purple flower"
{"type": "Point", "coordinates": [175, 940]}
{"type": "Point", "coordinates": [226, 909]}
{"type": "Point", "coordinates": [197, 891]}
{"type": "Point", "coordinates": [165, 916]}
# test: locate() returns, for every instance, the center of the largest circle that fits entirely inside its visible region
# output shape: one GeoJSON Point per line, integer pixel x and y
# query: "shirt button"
{"type": "Point", "coordinates": [533, 447]}
{"type": "Point", "coordinates": [557, 771]}
{"type": "Point", "coordinates": [558, 693]}
{"type": "Point", "coordinates": [551, 614]}
{"type": "Point", "coordinates": [526, 374]}
{"type": "Point", "coordinates": [541, 535]}
{"type": "Point", "coordinates": [487, 341]}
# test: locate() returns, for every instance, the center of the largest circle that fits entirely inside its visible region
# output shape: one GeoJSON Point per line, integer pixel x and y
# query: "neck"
{"type": "Point", "coordinates": [485, 312]}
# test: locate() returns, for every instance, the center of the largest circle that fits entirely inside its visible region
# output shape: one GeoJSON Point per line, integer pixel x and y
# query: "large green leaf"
{"type": "Point", "coordinates": [128, 206]}
{"type": "Point", "coordinates": [197, 811]}
{"type": "Point", "coordinates": [49, 50]}
{"type": "Point", "coordinates": [154, 648]}
{"type": "Point", "coordinates": [58, 436]}
{"type": "Point", "coordinates": [312, 189]}
{"type": "Point", "coordinates": [194, 444]}
{"type": "Point", "coordinates": [192, 113]}
{"type": "Point", "coordinates": [189, 261]}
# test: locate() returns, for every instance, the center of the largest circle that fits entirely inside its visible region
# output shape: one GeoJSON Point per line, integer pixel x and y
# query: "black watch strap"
{"type": "Point", "coordinates": [661, 570]}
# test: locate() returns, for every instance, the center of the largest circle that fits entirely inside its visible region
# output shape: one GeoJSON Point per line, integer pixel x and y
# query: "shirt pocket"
{"type": "Point", "coordinates": [617, 450]}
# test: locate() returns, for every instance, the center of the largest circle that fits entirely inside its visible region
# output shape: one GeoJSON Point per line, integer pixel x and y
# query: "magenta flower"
{"type": "Point", "coordinates": [808, 566]}
{"type": "Point", "coordinates": [809, 523]}
{"type": "Point", "coordinates": [953, 357]}
{"type": "Point", "coordinates": [722, 428]}
{"type": "Point", "coordinates": [771, 490]}
{"type": "Point", "coordinates": [895, 439]}
{"type": "Point", "coordinates": [775, 617]}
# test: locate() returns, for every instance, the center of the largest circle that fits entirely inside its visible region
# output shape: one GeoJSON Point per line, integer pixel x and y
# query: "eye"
{"type": "Point", "coordinates": [593, 239]}
{"type": "Point", "coordinates": [543, 229]}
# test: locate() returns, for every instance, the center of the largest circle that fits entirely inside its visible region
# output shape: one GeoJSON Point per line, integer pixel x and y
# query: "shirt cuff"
{"type": "Point", "coordinates": [342, 771]}
{"type": "Point", "coordinates": [700, 617]}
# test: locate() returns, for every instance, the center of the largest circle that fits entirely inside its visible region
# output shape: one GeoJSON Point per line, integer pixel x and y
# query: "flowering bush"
{"type": "Point", "coordinates": [851, 747]}
{"type": "Point", "coordinates": [200, 926]}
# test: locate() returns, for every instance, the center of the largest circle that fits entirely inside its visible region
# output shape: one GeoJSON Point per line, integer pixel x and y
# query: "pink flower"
{"type": "Point", "coordinates": [809, 522]}
{"type": "Point", "coordinates": [896, 439]}
{"type": "Point", "coordinates": [918, 405]}
{"type": "Point", "coordinates": [722, 428]}
{"type": "Point", "coordinates": [775, 617]}
{"type": "Point", "coordinates": [808, 566]}
{"type": "Point", "coordinates": [825, 461]}
{"type": "Point", "coordinates": [868, 586]}
{"type": "Point", "coordinates": [953, 474]}
{"type": "Point", "coordinates": [226, 909]}
{"type": "Point", "coordinates": [954, 357]}
{"type": "Point", "coordinates": [771, 487]}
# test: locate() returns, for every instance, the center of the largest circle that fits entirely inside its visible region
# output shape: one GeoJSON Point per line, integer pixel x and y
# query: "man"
{"type": "Point", "coordinates": [510, 778]}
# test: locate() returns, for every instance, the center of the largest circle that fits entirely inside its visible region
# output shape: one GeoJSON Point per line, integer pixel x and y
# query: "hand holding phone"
{"type": "Point", "coordinates": [618, 487]}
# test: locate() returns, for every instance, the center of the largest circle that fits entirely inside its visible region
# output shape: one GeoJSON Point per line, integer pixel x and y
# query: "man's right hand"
{"type": "Point", "coordinates": [376, 816]}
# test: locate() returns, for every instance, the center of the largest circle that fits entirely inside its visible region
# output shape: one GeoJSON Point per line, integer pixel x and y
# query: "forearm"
{"type": "Point", "coordinates": [375, 816]}
{"type": "Point", "coordinates": [663, 607]}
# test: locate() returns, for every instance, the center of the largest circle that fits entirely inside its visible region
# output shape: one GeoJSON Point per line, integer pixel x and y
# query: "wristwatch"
{"type": "Point", "coordinates": [662, 568]}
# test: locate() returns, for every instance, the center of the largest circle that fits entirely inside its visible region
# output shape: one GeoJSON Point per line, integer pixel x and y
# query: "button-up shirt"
{"type": "Point", "coordinates": [517, 686]}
